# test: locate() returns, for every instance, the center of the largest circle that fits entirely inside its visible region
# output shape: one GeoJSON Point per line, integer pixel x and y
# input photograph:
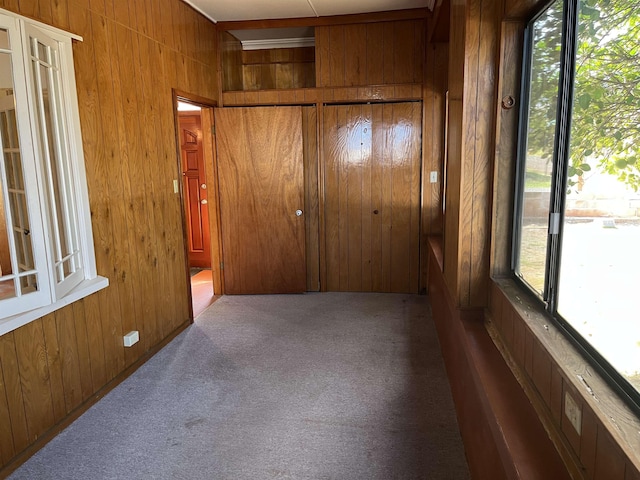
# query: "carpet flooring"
{"type": "Point", "coordinates": [315, 386]}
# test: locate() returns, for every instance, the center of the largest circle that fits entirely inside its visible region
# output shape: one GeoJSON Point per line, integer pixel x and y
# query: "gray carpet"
{"type": "Point", "coordinates": [315, 386]}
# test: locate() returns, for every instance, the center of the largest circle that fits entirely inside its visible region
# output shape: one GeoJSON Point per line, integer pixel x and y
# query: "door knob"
{"type": "Point", "coordinates": [204, 201]}
{"type": "Point", "coordinates": [298, 213]}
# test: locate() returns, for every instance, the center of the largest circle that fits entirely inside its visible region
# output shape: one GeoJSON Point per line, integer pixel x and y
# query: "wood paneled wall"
{"type": "Point", "coordinates": [434, 113]}
{"type": "Point", "coordinates": [231, 62]}
{"type": "Point", "coordinates": [370, 54]}
{"type": "Point", "coordinates": [133, 54]}
{"type": "Point", "coordinates": [472, 89]}
{"type": "Point", "coordinates": [279, 68]}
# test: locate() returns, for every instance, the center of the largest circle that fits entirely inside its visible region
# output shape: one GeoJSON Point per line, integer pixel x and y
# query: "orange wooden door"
{"type": "Point", "coordinates": [372, 196]}
{"type": "Point", "coordinates": [195, 191]}
{"type": "Point", "coordinates": [260, 168]}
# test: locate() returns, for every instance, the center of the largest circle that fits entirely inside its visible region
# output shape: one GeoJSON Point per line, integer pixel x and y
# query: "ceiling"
{"type": "Point", "coordinates": [229, 10]}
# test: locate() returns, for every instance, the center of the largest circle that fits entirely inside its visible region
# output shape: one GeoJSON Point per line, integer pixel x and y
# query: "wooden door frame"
{"type": "Point", "coordinates": [210, 167]}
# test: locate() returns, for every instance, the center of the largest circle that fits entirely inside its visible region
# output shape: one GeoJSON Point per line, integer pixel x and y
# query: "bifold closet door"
{"type": "Point", "coordinates": [261, 176]}
{"type": "Point", "coordinates": [372, 196]}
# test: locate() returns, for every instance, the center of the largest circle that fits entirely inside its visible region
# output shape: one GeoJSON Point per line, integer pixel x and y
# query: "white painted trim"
{"type": "Point", "coordinates": [278, 43]}
{"type": "Point", "coordinates": [84, 289]}
{"type": "Point", "coordinates": [56, 33]}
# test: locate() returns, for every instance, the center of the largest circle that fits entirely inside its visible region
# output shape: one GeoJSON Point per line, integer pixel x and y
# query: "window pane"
{"type": "Point", "coordinates": [16, 248]}
{"type": "Point", "coordinates": [600, 263]}
{"type": "Point", "coordinates": [7, 289]}
{"type": "Point", "coordinates": [4, 38]}
{"type": "Point", "coordinates": [537, 165]}
{"type": "Point", "coordinates": [60, 193]}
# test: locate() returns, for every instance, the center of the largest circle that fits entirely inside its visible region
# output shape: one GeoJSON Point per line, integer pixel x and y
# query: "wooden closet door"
{"type": "Point", "coordinates": [260, 170]}
{"type": "Point", "coordinates": [372, 196]}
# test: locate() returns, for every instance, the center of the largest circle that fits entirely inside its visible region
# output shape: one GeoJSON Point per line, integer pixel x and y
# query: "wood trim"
{"type": "Point", "coordinates": [506, 140]}
{"type": "Point", "coordinates": [214, 217]}
{"type": "Point", "coordinates": [215, 228]}
{"type": "Point", "coordinates": [388, 16]}
{"type": "Point", "coordinates": [438, 26]}
{"type": "Point", "coordinates": [310, 96]}
{"type": "Point", "coordinates": [50, 434]}
{"type": "Point", "coordinates": [522, 9]}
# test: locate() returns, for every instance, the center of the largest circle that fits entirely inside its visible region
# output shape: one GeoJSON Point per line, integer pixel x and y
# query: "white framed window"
{"type": "Point", "coordinates": [47, 257]}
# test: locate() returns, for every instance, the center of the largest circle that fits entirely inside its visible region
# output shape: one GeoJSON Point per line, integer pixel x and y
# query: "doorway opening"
{"type": "Point", "coordinates": [194, 122]}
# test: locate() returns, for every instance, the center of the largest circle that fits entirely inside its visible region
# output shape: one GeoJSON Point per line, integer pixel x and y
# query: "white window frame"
{"type": "Point", "coordinates": [51, 295]}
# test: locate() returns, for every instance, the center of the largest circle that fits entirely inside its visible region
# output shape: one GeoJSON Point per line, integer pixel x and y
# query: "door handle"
{"type": "Point", "coordinates": [204, 201]}
{"type": "Point", "coordinates": [298, 213]}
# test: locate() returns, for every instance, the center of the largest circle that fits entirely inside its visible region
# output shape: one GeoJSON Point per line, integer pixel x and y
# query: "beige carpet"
{"type": "Point", "coordinates": [316, 386]}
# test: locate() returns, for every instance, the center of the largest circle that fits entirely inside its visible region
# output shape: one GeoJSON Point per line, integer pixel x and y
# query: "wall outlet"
{"type": "Point", "coordinates": [573, 412]}
{"type": "Point", "coordinates": [433, 177]}
{"type": "Point", "coordinates": [131, 338]}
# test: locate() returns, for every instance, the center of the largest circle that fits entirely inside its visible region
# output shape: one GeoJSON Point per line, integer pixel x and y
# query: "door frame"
{"type": "Point", "coordinates": [211, 168]}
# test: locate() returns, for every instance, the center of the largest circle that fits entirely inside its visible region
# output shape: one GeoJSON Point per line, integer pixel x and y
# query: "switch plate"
{"type": "Point", "coordinates": [176, 187]}
{"type": "Point", "coordinates": [433, 177]}
{"type": "Point", "coordinates": [573, 412]}
{"type": "Point", "coordinates": [131, 338]}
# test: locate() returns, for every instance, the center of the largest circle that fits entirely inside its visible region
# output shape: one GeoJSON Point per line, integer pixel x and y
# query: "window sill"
{"type": "Point", "coordinates": [84, 289]}
{"type": "Point", "coordinates": [611, 412]}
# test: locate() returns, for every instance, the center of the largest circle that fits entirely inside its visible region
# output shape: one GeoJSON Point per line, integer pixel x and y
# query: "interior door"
{"type": "Point", "coordinates": [195, 190]}
{"type": "Point", "coordinates": [372, 196]}
{"type": "Point", "coordinates": [261, 181]}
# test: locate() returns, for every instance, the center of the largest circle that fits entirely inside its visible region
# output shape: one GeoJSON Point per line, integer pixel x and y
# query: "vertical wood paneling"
{"type": "Point", "coordinates": [336, 56]}
{"type": "Point", "coordinates": [355, 55]}
{"type": "Point", "coordinates": [371, 54]}
{"type": "Point", "coordinates": [34, 378]}
{"type": "Point", "coordinates": [323, 47]}
{"type": "Point", "coordinates": [14, 395]}
{"type": "Point", "coordinates": [83, 350]}
{"type": "Point", "coordinates": [435, 86]}
{"type": "Point", "coordinates": [472, 65]}
{"type": "Point", "coordinates": [231, 53]}
{"type": "Point", "coordinates": [125, 69]}
{"type": "Point", "coordinates": [375, 58]}
{"type": "Point", "coordinates": [54, 363]}
{"type": "Point", "coordinates": [280, 68]}
{"type": "Point", "coordinates": [372, 196]}
{"type": "Point", "coordinates": [378, 198]}
{"type": "Point", "coordinates": [106, 162]}
{"type": "Point", "coordinates": [67, 340]}
{"type": "Point", "coordinates": [311, 201]}
{"type": "Point", "coordinates": [7, 450]}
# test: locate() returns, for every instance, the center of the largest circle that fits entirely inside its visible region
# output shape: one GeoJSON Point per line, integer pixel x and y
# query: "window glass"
{"type": "Point", "coordinates": [546, 45]}
{"type": "Point", "coordinates": [600, 262]}
{"type": "Point", "coordinates": [17, 265]}
{"type": "Point", "coordinates": [62, 209]}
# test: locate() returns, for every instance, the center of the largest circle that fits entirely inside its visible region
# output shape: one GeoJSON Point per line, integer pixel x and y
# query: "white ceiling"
{"type": "Point", "coordinates": [228, 10]}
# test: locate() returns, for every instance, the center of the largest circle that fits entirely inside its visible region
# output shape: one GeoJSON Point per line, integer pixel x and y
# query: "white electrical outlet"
{"type": "Point", "coordinates": [131, 338]}
{"type": "Point", "coordinates": [433, 177]}
{"type": "Point", "coordinates": [573, 412]}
